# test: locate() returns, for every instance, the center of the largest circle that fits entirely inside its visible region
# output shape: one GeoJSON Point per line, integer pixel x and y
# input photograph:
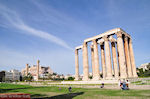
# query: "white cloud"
{"type": "Point", "coordinates": [12, 19]}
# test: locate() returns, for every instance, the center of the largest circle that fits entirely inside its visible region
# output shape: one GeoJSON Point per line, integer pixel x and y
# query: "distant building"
{"type": "Point", "coordinates": [12, 75]}
{"type": "Point", "coordinates": [8, 76]}
{"type": "Point", "coordinates": [16, 74]}
{"type": "Point", "coordinates": [145, 66]}
{"type": "Point", "coordinates": [33, 71]}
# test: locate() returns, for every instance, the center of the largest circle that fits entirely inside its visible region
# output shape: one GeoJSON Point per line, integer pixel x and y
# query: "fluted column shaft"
{"type": "Point", "coordinates": [96, 61]}
{"type": "Point", "coordinates": [27, 69]}
{"type": "Point", "coordinates": [132, 59]}
{"type": "Point", "coordinates": [116, 73]}
{"type": "Point", "coordinates": [122, 62]}
{"type": "Point", "coordinates": [92, 60]}
{"type": "Point", "coordinates": [103, 60]}
{"type": "Point", "coordinates": [127, 54]}
{"type": "Point", "coordinates": [108, 59]}
{"type": "Point", "coordinates": [85, 62]}
{"type": "Point", "coordinates": [38, 69]}
{"type": "Point", "coordinates": [76, 65]}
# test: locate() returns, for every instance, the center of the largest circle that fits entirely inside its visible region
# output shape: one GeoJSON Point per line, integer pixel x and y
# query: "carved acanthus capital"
{"type": "Point", "coordinates": [126, 38]}
{"type": "Point", "coordinates": [91, 46]}
{"type": "Point", "coordinates": [76, 51]}
{"type": "Point", "coordinates": [112, 40]}
{"type": "Point", "coordinates": [105, 38]}
{"type": "Point", "coordinates": [84, 44]}
{"type": "Point", "coordinates": [119, 34]}
{"type": "Point", "coordinates": [130, 40]}
{"type": "Point", "coordinates": [38, 61]}
{"type": "Point", "coordinates": [101, 43]}
{"type": "Point", "coordinates": [94, 41]}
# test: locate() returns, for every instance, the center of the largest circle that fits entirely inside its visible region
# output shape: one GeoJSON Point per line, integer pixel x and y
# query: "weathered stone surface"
{"type": "Point", "coordinates": [85, 62]}
{"type": "Point", "coordinates": [116, 73]}
{"type": "Point", "coordinates": [27, 69]}
{"type": "Point", "coordinates": [127, 54]}
{"type": "Point", "coordinates": [132, 59]}
{"type": "Point", "coordinates": [122, 62]}
{"type": "Point", "coordinates": [76, 65]}
{"type": "Point", "coordinates": [108, 59]}
{"type": "Point", "coordinates": [103, 61]}
{"type": "Point", "coordinates": [96, 75]}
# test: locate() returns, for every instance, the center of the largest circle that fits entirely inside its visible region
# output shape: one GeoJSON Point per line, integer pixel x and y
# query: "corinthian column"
{"type": "Point", "coordinates": [129, 68]}
{"type": "Point", "coordinates": [96, 61]}
{"type": "Point", "coordinates": [116, 73]}
{"type": "Point", "coordinates": [103, 60]}
{"type": "Point", "coordinates": [38, 69]}
{"type": "Point", "coordinates": [85, 62]}
{"type": "Point", "coordinates": [108, 59]}
{"type": "Point", "coordinates": [122, 62]}
{"type": "Point", "coordinates": [92, 59]}
{"type": "Point", "coordinates": [76, 65]}
{"type": "Point", "coordinates": [132, 59]}
{"type": "Point", "coordinates": [27, 69]}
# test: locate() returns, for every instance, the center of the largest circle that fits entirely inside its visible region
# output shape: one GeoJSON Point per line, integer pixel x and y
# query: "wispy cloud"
{"type": "Point", "coordinates": [12, 18]}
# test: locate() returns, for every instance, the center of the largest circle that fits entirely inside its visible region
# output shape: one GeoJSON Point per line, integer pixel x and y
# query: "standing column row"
{"type": "Point", "coordinates": [125, 65]}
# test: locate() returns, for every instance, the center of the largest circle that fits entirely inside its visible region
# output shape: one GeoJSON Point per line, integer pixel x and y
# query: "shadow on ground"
{"type": "Point", "coordinates": [63, 96]}
{"type": "Point", "coordinates": [8, 90]}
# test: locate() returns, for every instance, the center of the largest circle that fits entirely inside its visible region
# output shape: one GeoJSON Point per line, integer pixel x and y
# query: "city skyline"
{"type": "Point", "coordinates": [50, 30]}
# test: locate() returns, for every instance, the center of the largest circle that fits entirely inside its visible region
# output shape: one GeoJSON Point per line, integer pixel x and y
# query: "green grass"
{"type": "Point", "coordinates": [53, 92]}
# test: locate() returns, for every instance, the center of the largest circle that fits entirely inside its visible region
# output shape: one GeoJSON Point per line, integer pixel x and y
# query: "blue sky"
{"type": "Point", "coordinates": [49, 30]}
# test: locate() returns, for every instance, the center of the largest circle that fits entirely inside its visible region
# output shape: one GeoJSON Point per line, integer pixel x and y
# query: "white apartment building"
{"type": "Point", "coordinates": [12, 75]}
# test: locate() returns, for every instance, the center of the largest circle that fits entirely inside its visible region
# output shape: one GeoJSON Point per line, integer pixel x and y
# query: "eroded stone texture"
{"type": "Point", "coordinates": [132, 59]}
{"type": "Point", "coordinates": [108, 58]}
{"type": "Point", "coordinates": [96, 75]}
{"type": "Point", "coordinates": [27, 69]}
{"type": "Point", "coordinates": [116, 73]}
{"type": "Point", "coordinates": [127, 54]}
{"type": "Point", "coordinates": [103, 60]}
{"type": "Point", "coordinates": [38, 64]}
{"type": "Point", "coordinates": [122, 62]}
{"type": "Point", "coordinates": [92, 60]}
{"type": "Point", "coordinates": [76, 65]}
{"type": "Point", "coordinates": [85, 62]}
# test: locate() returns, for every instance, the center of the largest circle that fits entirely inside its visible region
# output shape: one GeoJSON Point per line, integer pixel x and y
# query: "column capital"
{"type": "Point", "coordinates": [76, 51]}
{"type": "Point", "coordinates": [91, 46]}
{"type": "Point", "coordinates": [101, 43]}
{"type": "Point", "coordinates": [94, 41]}
{"type": "Point", "coordinates": [105, 38]}
{"type": "Point", "coordinates": [84, 44]}
{"type": "Point", "coordinates": [38, 61]}
{"type": "Point", "coordinates": [130, 40]}
{"type": "Point", "coordinates": [119, 34]}
{"type": "Point", "coordinates": [126, 38]}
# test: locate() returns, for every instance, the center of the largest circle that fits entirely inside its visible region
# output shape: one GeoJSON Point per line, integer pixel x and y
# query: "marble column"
{"type": "Point", "coordinates": [96, 61]}
{"type": "Point", "coordinates": [92, 60]}
{"type": "Point", "coordinates": [132, 59]}
{"type": "Point", "coordinates": [27, 69]}
{"type": "Point", "coordinates": [127, 54]}
{"type": "Point", "coordinates": [108, 59]}
{"type": "Point", "coordinates": [76, 65]}
{"type": "Point", "coordinates": [85, 62]}
{"type": "Point", "coordinates": [116, 73]}
{"type": "Point", "coordinates": [103, 60]}
{"type": "Point", "coordinates": [122, 62]}
{"type": "Point", "coordinates": [38, 65]}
